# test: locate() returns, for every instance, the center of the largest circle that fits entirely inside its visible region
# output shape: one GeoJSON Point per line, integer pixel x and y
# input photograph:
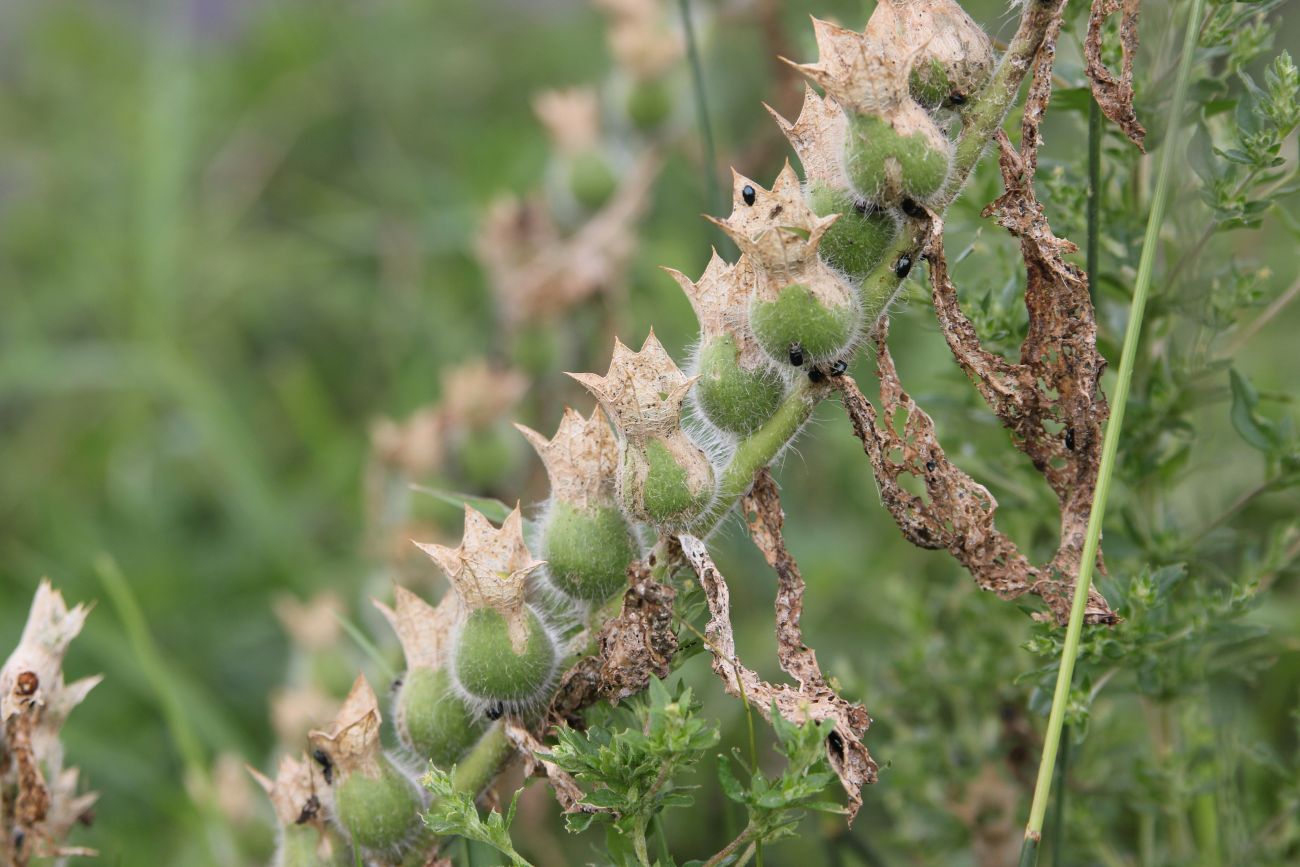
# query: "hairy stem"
{"type": "Point", "coordinates": [483, 762]}
{"type": "Point", "coordinates": [984, 116]}
{"type": "Point", "coordinates": [1110, 447]}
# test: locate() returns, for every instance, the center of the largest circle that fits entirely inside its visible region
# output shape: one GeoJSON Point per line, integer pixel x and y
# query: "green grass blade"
{"type": "Point", "coordinates": [1110, 445]}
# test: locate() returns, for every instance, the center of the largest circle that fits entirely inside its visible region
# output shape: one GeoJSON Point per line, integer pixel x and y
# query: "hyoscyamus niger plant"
{"type": "Point", "coordinates": [554, 648]}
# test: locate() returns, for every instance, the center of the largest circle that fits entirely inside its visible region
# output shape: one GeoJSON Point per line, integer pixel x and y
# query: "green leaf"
{"type": "Point", "coordinates": [1256, 432]}
{"type": "Point", "coordinates": [492, 509]}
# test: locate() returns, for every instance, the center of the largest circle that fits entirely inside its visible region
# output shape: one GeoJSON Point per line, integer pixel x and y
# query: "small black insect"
{"type": "Point", "coordinates": [860, 206]}
{"type": "Point", "coordinates": [931, 466]}
{"type": "Point", "coordinates": [903, 266]}
{"type": "Point", "coordinates": [748, 194]}
{"type": "Point", "coordinates": [838, 367]}
{"type": "Point", "coordinates": [309, 811]}
{"type": "Point", "coordinates": [835, 742]}
{"type": "Point", "coordinates": [957, 99]}
{"type": "Point", "coordinates": [796, 354]}
{"type": "Point", "coordinates": [912, 209]}
{"type": "Point", "coordinates": [20, 837]}
{"type": "Point", "coordinates": [396, 684]}
{"type": "Point", "coordinates": [326, 764]}
{"type": "Point", "coordinates": [815, 374]}
{"type": "Point", "coordinates": [495, 711]}
{"type": "Point", "coordinates": [1069, 438]}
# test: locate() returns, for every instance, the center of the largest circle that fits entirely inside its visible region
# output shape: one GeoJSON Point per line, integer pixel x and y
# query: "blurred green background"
{"type": "Point", "coordinates": [232, 233]}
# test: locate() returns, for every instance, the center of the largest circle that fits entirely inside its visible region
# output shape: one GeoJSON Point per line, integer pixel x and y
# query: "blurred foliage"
{"type": "Point", "coordinates": [233, 233]}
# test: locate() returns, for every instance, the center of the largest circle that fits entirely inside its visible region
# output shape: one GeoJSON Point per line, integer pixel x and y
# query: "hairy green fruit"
{"type": "Point", "coordinates": [380, 811]}
{"type": "Point", "coordinates": [658, 488]}
{"type": "Point", "coordinates": [501, 662]}
{"type": "Point", "coordinates": [486, 457]}
{"type": "Point", "coordinates": [952, 58]}
{"type": "Point", "coordinates": [432, 720]}
{"type": "Point", "coordinates": [300, 846]}
{"type": "Point", "coordinates": [901, 157]}
{"type": "Point", "coordinates": [591, 180]}
{"type": "Point", "coordinates": [859, 239]}
{"type": "Point", "coordinates": [929, 84]}
{"type": "Point", "coordinates": [797, 317]}
{"type": "Point", "coordinates": [587, 550]}
{"type": "Point", "coordinates": [648, 104]}
{"type": "Point", "coordinates": [733, 399]}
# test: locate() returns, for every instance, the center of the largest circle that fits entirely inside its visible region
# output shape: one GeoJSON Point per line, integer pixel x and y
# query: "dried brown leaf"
{"type": "Point", "coordinates": [844, 749]}
{"type": "Point", "coordinates": [1114, 94]}
{"type": "Point", "coordinates": [637, 643]}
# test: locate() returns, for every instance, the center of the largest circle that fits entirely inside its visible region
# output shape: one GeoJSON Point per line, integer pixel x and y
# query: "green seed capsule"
{"type": "Point", "coordinates": [300, 846]}
{"type": "Point", "coordinates": [648, 104]}
{"type": "Point", "coordinates": [489, 666]}
{"type": "Point", "coordinates": [587, 550]}
{"type": "Point", "coordinates": [657, 488]}
{"type": "Point", "coordinates": [929, 84]}
{"type": "Point", "coordinates": [432, 720]}
{"type": "Point", "coordinates": [859, 239]}
{"type": "Point", "coordinates": [889, 160]}
{"type": "Point", "coordinates": [487, 456]}
{"type": "Point", "coordinates": [797, 317]}
{"type": "Point", "coordinates": [381, 812]}
{"type": "Point", "coordinates": [733, 399]}
{"type": "Point", "coordinates": [591, 180]}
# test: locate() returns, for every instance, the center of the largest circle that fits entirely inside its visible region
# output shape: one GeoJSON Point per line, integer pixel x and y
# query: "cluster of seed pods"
{"type": "Point", "coordinates": [873, 147]}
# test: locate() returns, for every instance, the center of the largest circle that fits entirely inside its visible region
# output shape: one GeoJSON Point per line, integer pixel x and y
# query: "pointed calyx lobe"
{"type": "Point", "coordinates": [642, 392]}
{"type": "Point", "coordinates": [720, 298]}
{"type": "Point", "coordinates": [775, 228]}
{"type": "Point", "coordinates": [818, 137]}
{"type": "Point", "coordinates": [423, 630]}
{"type": "Point", "coordinates": [490, 568]}
{"type": "Point", "coordinates": [866, 73]}
{"type": "Point", "coordinates": [581, 459]}
{"type": "Point", "coordinates": [352, 740]}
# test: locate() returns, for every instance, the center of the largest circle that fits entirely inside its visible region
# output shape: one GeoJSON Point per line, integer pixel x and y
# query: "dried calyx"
{"type": "Point", "coordinates": [572, 121]}
{"type": "Point", "coordinates": [894, 150]}
{"type": "Point", "coordinates": [503, 656]}
{"type": "Point", "coordinates": [585, 539]}
{"type": "Point", "coordinates": [304, 836]}
{"type": "Point", "coordinates": [431, 718]}
{"type": "Point", "coordinates": [39, 798]}
{"type": "Point", "coordinates": [664, 478]}
{"type": "Point", "coordinates": [371, 801]}
{"type": "Point", "coordinates": [857, 242]}
{"type": "Point", "coordinates": [800, 308]}
{"type": "Point", "coordinates": [736, 390]}
{"type": "Point", "coordinates": [952, 57]}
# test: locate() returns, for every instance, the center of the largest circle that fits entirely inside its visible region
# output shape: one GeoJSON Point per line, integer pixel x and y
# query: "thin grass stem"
{"type": "Point", "coordinates": [702, 110]}
{"type": "Point", "coordinates": [1110, 446]}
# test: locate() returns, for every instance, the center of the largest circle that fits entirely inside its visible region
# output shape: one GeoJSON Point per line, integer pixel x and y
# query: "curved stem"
{"type": "Point", "coordinates": [1110, 447]}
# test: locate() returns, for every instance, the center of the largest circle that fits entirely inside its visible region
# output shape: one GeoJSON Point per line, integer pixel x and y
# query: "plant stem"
{"type": "Point", "coordinates": [757, 451]}
{"type": "Point", "coordinates": [1093, 255]}
{"type": "Point", "coordinates": [984, 116]}
{"type": "Point", "coordinates": [484, 760]}
{"type": "Point", "coordinates": [1110, 447]}
{"type": "Point", "coordinates": [1029, 852]}
{"type": "Point", "coordinates": [701, 109]}
{"type": "Point", "coordinates": [1062, 768]}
